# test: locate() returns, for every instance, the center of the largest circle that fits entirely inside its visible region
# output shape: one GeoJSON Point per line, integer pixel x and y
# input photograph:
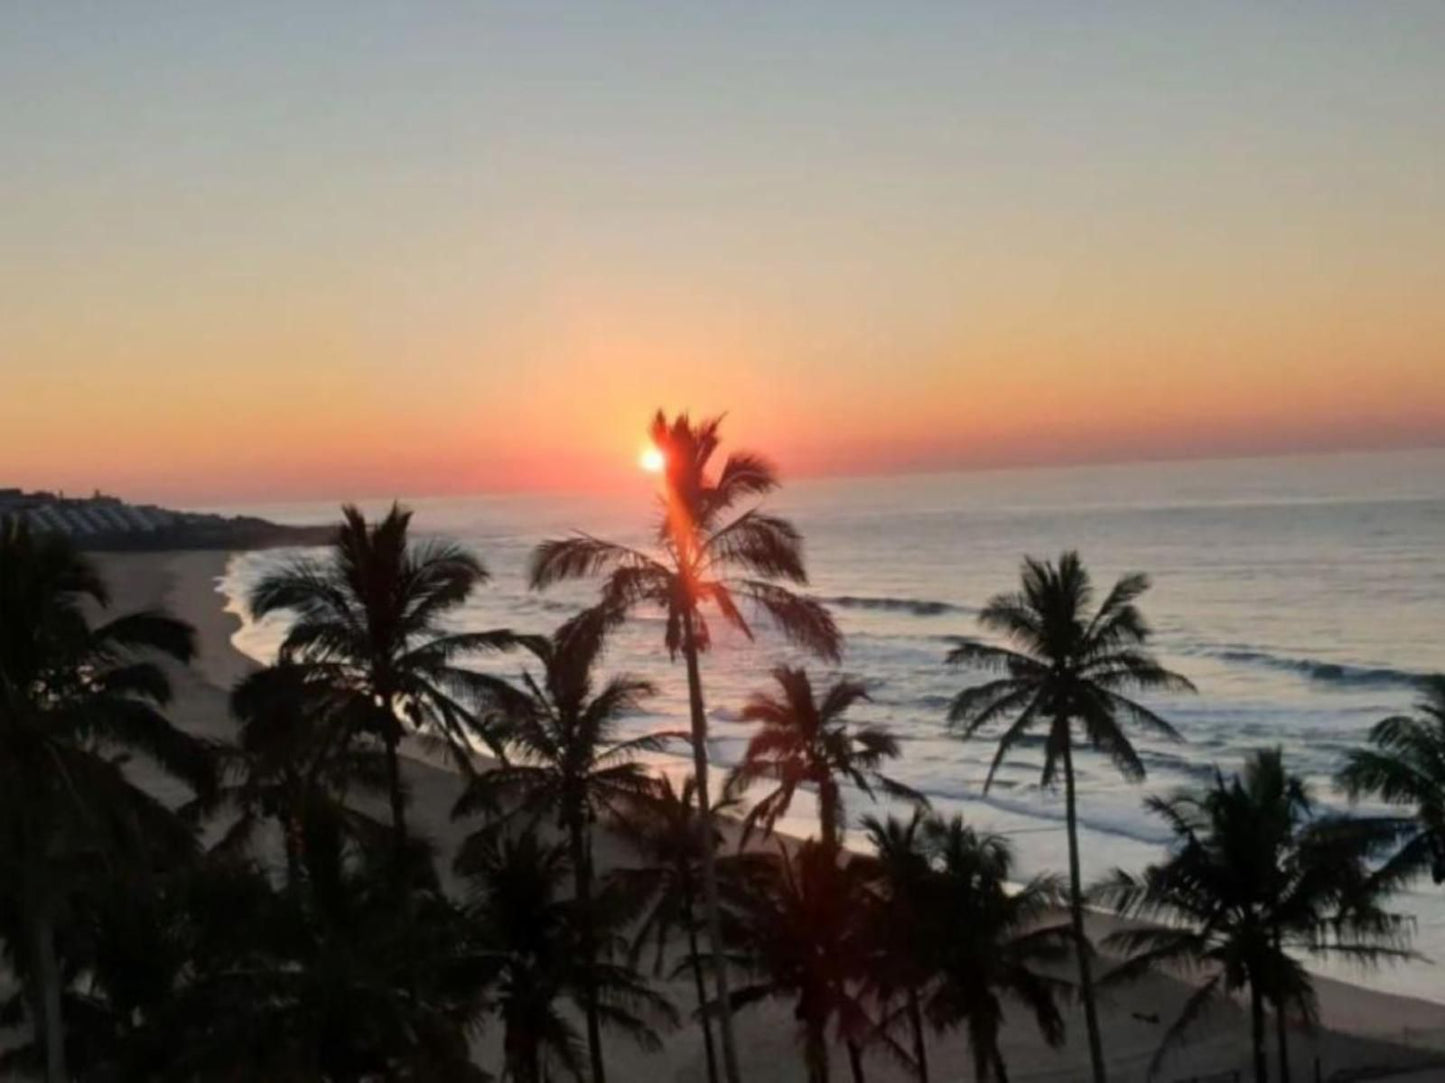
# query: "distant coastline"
{"type": "Point", "coordinates": [103, 523]}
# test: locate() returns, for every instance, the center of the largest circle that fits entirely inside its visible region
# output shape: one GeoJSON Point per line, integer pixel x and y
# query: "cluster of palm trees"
{"type": "Point", "coordinates": [285, 919]}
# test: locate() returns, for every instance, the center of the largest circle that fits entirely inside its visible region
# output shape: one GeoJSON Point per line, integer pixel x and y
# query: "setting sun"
{"type": "Point", "coordinates": [652, 460]}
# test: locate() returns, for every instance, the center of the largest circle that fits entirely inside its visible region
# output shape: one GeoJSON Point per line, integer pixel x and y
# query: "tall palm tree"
{"type": "Point", "coordinates": [666, 831]}
{"type": "Point", "coordinates": [901, 942]}
{"type": "Point", "coordinates": [796, 926]}
{"type": "Point", "coordinates": [709, 556]}
{"type": "Point", "coordinates": [991, 941]}
{"type": "Point", "coordinates": [371, 617]}
{"type": "Point", "coordinates": [75, 700]}
{"type": "Point", "coordinates": [1252, 879]}
{"type": "Point", "coordinates": [526, 938]}
{"type": "Point", "coordinates": [1066, 665]}
{"type": "Point", "coordinates": [804, 741]}
{"type": "Point", "coordinates": [564, 759]}
{"type": "Point", "coordinates": [1406, 767]}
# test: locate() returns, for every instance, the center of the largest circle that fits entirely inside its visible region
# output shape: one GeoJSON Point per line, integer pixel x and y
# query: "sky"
{"type": "Point", "coordinates": [279, 250]}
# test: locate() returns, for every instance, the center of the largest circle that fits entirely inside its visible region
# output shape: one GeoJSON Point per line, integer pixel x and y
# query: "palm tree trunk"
{"type": "Point", "coordinates": [1256, 1031]}
{"type": "Point", "coordinates": [696, 962]}
{"type": "Point", "coordinates": [1281, 1017]}
{"type": "Point", "coordinates": [828, 814]}
{"type": "Point", "coordinates": [855, 1061]}
{"type": "Point", "coordinates": [711, 909]}
{"type": "Point", "coordinates": [1082, 949]}
{"type": "Point", "coordinates": [582, 876]}
{"type": "Point", "coordinates": [47, 973]}
{"type": "Point", "coordinates": [398, 800]}
{"type": "Point", "coordinates": [1281, 1026]}
{"type": "Point", "coordinates": [920, 1046]}
{"type": "Point", "coordinates": [522, 1057]}
{"type": "Point", "coordinates": [291, 832]}
{"type": "Point", "coordinates": [815, 1052]}
{"type": "Point", "coordinates": [1000, 1070]}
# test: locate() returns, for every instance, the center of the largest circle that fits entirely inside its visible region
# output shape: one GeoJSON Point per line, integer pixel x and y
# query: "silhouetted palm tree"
{"type": "Point", "coordinates": [1406, 767]}
{"type": "Point", "coordinates": [372, 618]}
{"type": "Point", "coordinates": [337, 984]}
{"type": "Point", "coordinates": [666, 830]}
{"type": "Point", "coordinates": [564, 760]}
{"type": "Point", "coordinates": [1066, 665]}
{"type": "Point", "coordinates": [710, 556]}
{"type": "Point", "coordinates": [75, 699]}
{"type": "Point", "coordinates": [526, 935]}
{"type": "Point", "coordinates": [901, 942]}
{"type": "Point", "coordinates": [796, 925]}
{"type": "Point", "coordinates": [803, 741]}
{"type": "Point", "coordinates": [295, 762]}
{"type": "Point", "coordinates": [1251, 879]}
{"type": "Point", "coordinates": [990, 941]}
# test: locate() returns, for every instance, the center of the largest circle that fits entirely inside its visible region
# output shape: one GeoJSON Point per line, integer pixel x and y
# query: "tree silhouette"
{"type": "Point", "coordinates": [526, 935]}
{"type": "Point", "coordinates": [1405, 766]}
{"type": "Point", "coordinates": [1251, 878]}
{"type": "Point", "coordinates": [1066, 665]}
{"type": "Point", "coordinates": [796, 927]}
{"type": "Point", "coordinates": [564, 760]}
{"type": "Point", "coordinates": [709, 557]}
{"type": "Point", "coordinates": [804, 741]}
{"type": "Point", "coordinates": [371, 617]}
{"type": "Point", "coordinates": [75, 700]}
{"type": "Point", "coordinates": [990, 941]}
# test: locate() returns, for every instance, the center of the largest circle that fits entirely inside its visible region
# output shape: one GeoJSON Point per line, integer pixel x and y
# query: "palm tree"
{"type": "Point", "coordinates": [1066, 665]}
{"type": "Point", "coordinates": [563, 759]}
{"type": "Point", "coordinates": [294, 763]}
{"type": "Point", "coordinates": [804, 742]}
{"type": "Point", "coordinates": [709, 556]}
{"type": "Point", "coordinates": [75, 698]}
{"type": "Point", "coordinates": [1253, 878]}
{"type": "Point", "coordinates": [901, 945]}
{"type": "Point", "coordinates": [338, 983]}
{"type": "Point", "coordinates": [526, 937]}
{"type": "Point", "coordinates": [1406, 767]}
{"type": "Point", "coordinates": [371, 617]}
{"type": "Point", "coordinates": [795, 924]}
{"type": "Point", "coordinates": [990, 941]}
{"type": "Point", "coordinates": [666, 830]}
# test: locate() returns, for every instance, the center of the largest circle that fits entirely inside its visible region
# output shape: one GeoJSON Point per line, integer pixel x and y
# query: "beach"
{"type": "Point", "coordinates": [1360, 1028]}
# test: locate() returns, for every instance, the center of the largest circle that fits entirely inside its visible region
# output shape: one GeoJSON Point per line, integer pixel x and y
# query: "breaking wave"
{"type": "Point", "coordinates": [1316, 670]}
{"type": "Point", "coordinates": [919, 607]}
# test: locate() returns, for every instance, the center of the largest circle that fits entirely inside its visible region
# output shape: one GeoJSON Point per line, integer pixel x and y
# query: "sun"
{"type": "Point", "coordinates": [652, 460]}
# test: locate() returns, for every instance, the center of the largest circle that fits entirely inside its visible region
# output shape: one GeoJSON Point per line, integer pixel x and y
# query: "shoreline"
{"type": "Point", "coordinates": [1359, 1026]}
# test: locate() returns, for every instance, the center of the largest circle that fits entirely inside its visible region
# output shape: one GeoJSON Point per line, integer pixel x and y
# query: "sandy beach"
{"type": "Point", "coordinates": [1361, 1029]}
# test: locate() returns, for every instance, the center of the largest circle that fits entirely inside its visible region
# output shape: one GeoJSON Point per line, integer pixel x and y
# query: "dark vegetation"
{"type": "Point", "coordinates": [276, 926]}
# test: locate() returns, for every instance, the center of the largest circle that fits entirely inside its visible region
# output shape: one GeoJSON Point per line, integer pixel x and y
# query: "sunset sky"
{"type": "Point", "coordinates": [357, 249]}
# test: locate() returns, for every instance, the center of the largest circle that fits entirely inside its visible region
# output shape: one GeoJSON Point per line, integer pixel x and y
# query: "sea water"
{"type": "Point", "coordinates": [1303, 596]}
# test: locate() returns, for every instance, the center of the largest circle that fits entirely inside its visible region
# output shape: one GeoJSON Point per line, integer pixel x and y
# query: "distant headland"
{"type": "Point", "coordinates": [107, 523]}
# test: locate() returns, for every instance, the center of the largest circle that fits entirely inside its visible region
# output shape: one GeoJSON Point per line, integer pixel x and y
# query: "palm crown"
{"type": "Point", "coordinates": [371, 618]}
{"type": "Point", "coordinates": [1253, 877]}
{"type": "Point", "coordinates": [558, 731]}
{"type": "Point", "coordinates": [1406, 766]}
{"type": "Point", "coordinates": [804, 740]}
{"type": "Point", "coordinates": [1063, 663]}
{"type": "Point", "coordinates": [709, 555]}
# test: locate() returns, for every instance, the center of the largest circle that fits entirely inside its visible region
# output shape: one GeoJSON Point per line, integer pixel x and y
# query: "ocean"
{"type": "Point", "coordinates": [1302, 595]}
